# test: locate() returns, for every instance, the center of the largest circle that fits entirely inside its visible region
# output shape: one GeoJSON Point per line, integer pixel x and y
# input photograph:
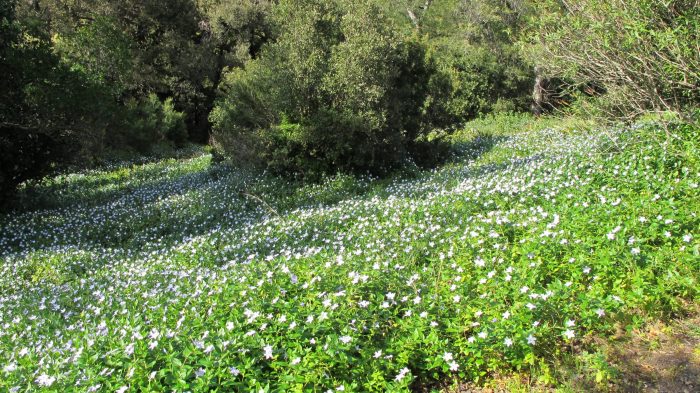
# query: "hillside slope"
{"type": "Point", "coordinates": [192, 276]}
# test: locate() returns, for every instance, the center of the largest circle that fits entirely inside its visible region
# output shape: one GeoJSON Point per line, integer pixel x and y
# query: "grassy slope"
{"type": "Point", "coordinates": [186, 275]}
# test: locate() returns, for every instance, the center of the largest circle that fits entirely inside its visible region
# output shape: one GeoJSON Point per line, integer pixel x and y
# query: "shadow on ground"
{"type": "Point", "coordinates": [663, 358]}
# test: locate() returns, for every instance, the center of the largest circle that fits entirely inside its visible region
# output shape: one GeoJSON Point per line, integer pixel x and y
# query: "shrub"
{"type": "Point", "coordinates": [50, 114]}
{"type": "Point", "coordinates": [25, 154]}
{"type": "Point", "coordinates": [151, 121]}
{"type": "Point", "coordinates": [484, 80]}
{"type": "Point", "coordinates": [173, 126]}
{"type": "Point", "coordinates": [339, 90]}
{"type": "Point", "coordinates": [642, 54]}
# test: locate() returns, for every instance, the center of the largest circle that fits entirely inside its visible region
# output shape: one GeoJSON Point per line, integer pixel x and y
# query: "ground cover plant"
{"type": "Point", "coordinates": [189, 275]}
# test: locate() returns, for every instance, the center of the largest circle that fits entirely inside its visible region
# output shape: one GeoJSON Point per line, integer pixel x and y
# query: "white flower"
{"type": "Point", "coordinates": [570, 323]}
{"type": "Point", "coordinates": [636, 251]}
{"type": "Point", "coordinates": [687, 238]}
{"type": "Point", "coordinates": [234, 371]}
{"type": "Point", "coordinates": [456, 298]}
{"type": "Point", "coordinates": [447, 356]}
{"type": "Point", "coordinates": [268, 351]}
{"type": "Point", "coordinates": [229, 325]}
{"type": "Point", "coordinates": [295, 361]}
{"type": "Point", "coordinates": [10, 368]}
{"type": "Point", "coordinates": [378, 354]}
{"type": "Point", "coordinates": [154, 334]}
{"type": "Point", "coordinates": [600, 312]}
{"type": "Point", "coordinates": [454, 366]}
{"type": "Point", "coordinates": [402, 374]}
{"type": "Point", "coordinates": [531, 339]}
{"type": "Point", "coordinates": [482, 335]}
{"type": "Point", "coordinates": [345, 339]}
{"type": "Point", "coordinates": [122, 389]}
{"type": "Point", "coordinates": [569, 334]}
{"type": "Point", "coordinates": [200, 373]}
{"type": "Point", "coordinates": [508, 342]}
{"type": "Point", "coordinates": [45, 380]}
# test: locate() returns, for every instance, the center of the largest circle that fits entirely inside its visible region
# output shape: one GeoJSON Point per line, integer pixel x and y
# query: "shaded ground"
{"type": "Point", "coordinates": [662, 358]}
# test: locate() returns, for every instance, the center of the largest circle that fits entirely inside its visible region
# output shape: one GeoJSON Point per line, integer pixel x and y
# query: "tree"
{"type": "Point", "coordinates": [49, 113]}
{"type": "Point", "coordinates": [135, 48]}
{"type": "Point", "coordinates": [340, 89]}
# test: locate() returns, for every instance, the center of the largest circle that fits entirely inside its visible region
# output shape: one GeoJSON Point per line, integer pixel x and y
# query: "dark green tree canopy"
{"type": "Point", "coordinates": [307, 87]}
{"type": "Point", "coordinates": [339, 89]}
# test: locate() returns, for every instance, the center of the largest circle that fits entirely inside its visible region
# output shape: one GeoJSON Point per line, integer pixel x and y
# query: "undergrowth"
{"type": "Point", "coordinates": [189, 275]}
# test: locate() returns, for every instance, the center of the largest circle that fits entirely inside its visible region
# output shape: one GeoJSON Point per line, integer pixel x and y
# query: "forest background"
{"type": "Point", "coordinates": [304, 88]}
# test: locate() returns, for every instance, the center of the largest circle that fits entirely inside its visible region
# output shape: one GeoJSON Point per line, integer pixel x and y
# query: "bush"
{"type": "Point", "coordinates": [642, 54]}
{"type": "Point", "coordinates": [151, 121]}
{"type": "Point", "coordinates": [339, 90]}
{"type": "Point", "coordinates": [50, 114]}
{"type": "Point", "coordinates": [484, 80]}
{"type": "Point", "coordinates": [25, 154]}
{"type": "Point", "coordinates": [173, 125]}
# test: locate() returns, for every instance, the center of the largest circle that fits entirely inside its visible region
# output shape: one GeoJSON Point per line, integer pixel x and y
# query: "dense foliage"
{"type": "Point", "coordinates": [188, 276]}
{"type": "Point", "coordinates": [338, 90]}
{"type": "Point", "coordinates": [48, 111]}
{"type": "Point", "coordinates": [343, 86]}
{"type": "Point", "coordinates": [308, 88]}
{"type": "Point", "coordinates": [644, 55]}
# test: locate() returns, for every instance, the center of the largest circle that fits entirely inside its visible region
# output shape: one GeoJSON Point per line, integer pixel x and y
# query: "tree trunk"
{"type": "Point", "coordinates": [539, 92]}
